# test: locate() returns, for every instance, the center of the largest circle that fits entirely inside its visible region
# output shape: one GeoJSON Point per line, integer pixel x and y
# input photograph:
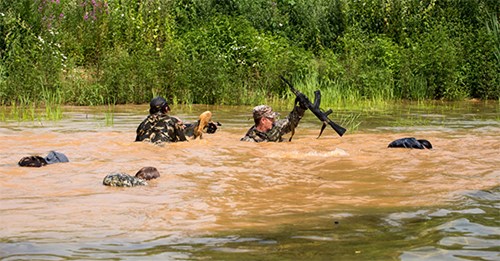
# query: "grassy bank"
{"type": "Point", "coordinates": [94, 52]}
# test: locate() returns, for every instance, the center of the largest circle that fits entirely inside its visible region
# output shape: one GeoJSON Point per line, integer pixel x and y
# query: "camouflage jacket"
{"type": "Point", "coordinates": [280, 128]}
{"type": "Point", "coordinates": [160, 127]}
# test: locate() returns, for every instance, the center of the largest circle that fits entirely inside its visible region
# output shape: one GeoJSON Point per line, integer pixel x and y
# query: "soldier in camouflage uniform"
{"type": "Point", "coordinates": [159, 127]}
{"type": "Point", "coordinates": [267, 128]}
{"type": "Point", "coordinates": [123, 180]}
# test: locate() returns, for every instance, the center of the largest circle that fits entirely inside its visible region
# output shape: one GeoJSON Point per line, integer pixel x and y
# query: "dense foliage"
{"type": "Point", "coordinates": [89, 52]}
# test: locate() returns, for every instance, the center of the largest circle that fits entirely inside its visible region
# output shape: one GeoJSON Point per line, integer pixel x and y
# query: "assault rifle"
{"type": "Point", "coordinates": [321, 115]}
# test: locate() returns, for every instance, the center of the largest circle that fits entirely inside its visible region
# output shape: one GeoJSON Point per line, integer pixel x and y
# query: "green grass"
{"type": "Point", "coordinates": [109, 115]}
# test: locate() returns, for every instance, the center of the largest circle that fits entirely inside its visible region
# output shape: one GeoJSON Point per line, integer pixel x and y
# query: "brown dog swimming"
{"type": "Point", "coordinates": [196, 129]}
{"type": "Point", "coordinates": [203, 121]}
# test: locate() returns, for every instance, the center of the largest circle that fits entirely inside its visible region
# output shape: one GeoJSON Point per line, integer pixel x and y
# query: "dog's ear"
{"type": "Point", "coordinates": [32, 161]}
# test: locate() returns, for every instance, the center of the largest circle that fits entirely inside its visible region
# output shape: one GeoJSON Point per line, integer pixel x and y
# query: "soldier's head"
{"type": "Point", "coordinates": [148, 173]}
{"type": "Point", "coordinates": [158, 104]}
{"type": "Point", "coordinates": [264, 116]}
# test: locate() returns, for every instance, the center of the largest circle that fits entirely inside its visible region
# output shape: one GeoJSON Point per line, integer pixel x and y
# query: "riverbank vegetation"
{"type": "Point", "coordinates": [94, 52]}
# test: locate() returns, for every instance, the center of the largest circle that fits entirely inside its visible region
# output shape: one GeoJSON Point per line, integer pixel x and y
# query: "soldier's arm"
{"type": "Point", "coordinates": [292, 120]}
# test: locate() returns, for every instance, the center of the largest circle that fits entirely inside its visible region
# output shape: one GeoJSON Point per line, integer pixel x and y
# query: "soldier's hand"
{"type": "Point", "coordinates": [301, 98]}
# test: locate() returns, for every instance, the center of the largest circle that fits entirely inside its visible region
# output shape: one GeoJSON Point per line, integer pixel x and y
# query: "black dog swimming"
{"type": "Point", "coordinates": [410, 143]}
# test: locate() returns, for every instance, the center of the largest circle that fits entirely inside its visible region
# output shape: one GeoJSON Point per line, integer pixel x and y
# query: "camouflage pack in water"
{"type": "Point", "coordinates": [122, 180]}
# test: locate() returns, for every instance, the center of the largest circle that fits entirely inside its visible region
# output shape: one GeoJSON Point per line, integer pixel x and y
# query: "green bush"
{"type": "Point", "coordinates": [30, 62]}
{"type": "Point", "coordinates": [232, 51]}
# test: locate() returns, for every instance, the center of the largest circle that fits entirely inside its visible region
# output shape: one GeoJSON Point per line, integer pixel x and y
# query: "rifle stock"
{"type": "Point", "coordinates": [315, 109]}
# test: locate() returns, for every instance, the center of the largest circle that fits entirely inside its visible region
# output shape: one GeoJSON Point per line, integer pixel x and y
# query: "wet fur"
{"type": "Point", "coordinates": [203, 121]}
{"type": "Point", "coordinates": [203, 124]}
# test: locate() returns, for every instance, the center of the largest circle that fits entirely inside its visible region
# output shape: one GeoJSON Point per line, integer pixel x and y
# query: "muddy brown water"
{"type": "Point", "coordinates": [343, 198]}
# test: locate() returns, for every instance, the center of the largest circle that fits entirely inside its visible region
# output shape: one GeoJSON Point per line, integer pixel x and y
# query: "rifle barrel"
{"type": "Point", "coordinates": [322, 116]}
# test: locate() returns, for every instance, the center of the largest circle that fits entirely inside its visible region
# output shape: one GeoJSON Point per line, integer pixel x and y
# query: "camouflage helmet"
{"type": "Point", "coordinates": [264, 111]}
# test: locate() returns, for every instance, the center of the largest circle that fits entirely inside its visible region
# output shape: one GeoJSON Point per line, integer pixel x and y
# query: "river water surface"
{"type": "Point", "coordinates": [332, 198]}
